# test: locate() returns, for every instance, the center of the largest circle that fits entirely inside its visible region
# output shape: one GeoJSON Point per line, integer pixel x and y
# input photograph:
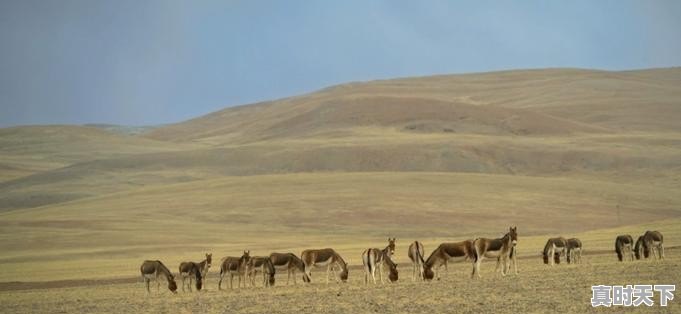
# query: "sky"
{"type": "Point", "coordinates": [147, 62]}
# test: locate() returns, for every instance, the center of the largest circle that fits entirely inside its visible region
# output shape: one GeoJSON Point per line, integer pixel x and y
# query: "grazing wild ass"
{"type": "Point", "coordinates": [553, 249]}
{"type": "Point", "coordinates": [416, 253]}
{"type": "Point", "coordinates": [234, 266]}
{"type": "Point", "coordinates": [264, 265]}
{"type": "Point", "coordinates": [197, 270]}
{"type": "Point", "coordinates": [152, 270]}
{"type": "Point", "coordinates": [624, 243]}
{"type": "Point", "coordinates": [648, 243]}
{"type": "Point", "coordinates": [574, 251]}
{"type": "Point", "coordinates": [500, 248]}
{"type": "Point", "coordinates": [325, 257]}
{"type": "Point", "coordinates": [290, 262]}
{"type": "Point", "coordinates": [375, 259]}
{"type": "Point", "coordinates": [445, 252]}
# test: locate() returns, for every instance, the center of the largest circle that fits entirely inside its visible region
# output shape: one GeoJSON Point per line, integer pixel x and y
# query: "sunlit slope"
{"type": "Point", "coordinates": [522, 102]}
{"type": "Point", "coordinates": [30, 149]}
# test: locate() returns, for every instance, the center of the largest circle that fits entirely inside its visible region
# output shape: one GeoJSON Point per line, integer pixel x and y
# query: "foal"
{"type": "Point", "coordinates": [198, 270]}
{"type": "Point", "coordinates": [264, 265]}
{"type": "Point", "coordinates": [235, 266]}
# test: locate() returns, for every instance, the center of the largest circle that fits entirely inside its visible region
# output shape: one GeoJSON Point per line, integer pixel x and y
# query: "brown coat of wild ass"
{"type": "Point", "coordinates": [154, 269]}
{"type": "Point", "coordinates": [325, 257]}
{"type": "Point", "coordinates": [500, 249]}
{"type": "Point", "coordinates": [446, 252]}
{"type": "Point", "coordinates": [416, 253]}
{"type": "Point", "coordinates": [234, 266]}
{"type": "Point", "coordinates": [648, 243]}
{"type": "Point", "coordinates": [624, 243]}
{"type": "Point", "coordinates": [574, 251]}
{"type": "Point", "coordinates": [290, 262]}
{"type": "Point", "coordinates": [375, 259]}
{"type": "Point", "coordinates": [264, 265]}
{"type": "Point", "coordinates": [553, 249]}
{"type": "Point", "coordinates": [196, 270]}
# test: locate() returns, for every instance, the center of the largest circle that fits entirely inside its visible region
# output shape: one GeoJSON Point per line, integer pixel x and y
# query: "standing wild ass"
{"type": "Point", "coordinates": [648, 243]}
{"type": "Point", "coordinates": [152, 270]}
{"type": "Point", "coordinates": [264, 265]}
{"type": "Point", "coordinates": [445, 252]}
{"type": "Point", "coordinates": [325, 257]}
{"type": "Point", "coordinates": [291, 263]}
{"type": "Point", "coordinates": [624, 243]}
{"type": "Point", "coordinates": [553, 249]}
{"type": "Point", "coordinates": [198, 270]}
{"type": "Point", "coordinates": [574, 251]}
{"type": "Point", "coordinates": [234, 266]}
{"type": "Point", "coordinates": [375, 259]}
{"type": "Point", "coordinates": [500, 248]}
{"type": "Point", "coordinates": [416, 253]}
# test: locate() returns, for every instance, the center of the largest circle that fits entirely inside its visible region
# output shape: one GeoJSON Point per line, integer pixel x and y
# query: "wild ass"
{"type": "Point", "coordinates": [624, 243]}
{"type": "Point", "coordinates": [500, 248]}
{"type": "Point", "coordinates": [324, 257]}
{"type": "Point", "coordinates": [234, 266]}
{"type": "Point", "coordinates": [574, 251]}
{"type": "Point", "coordinates": [197, 270]}
{"type": "Point", "coordinates": [291, 263]}
{"type": "Point", "coordinates": [512, 258]}
{"type": "Point", "coordinates": [416, 253]}
{"type": "Point", "coordinates": [648, 243]}
{"type": "Point", "coordinates": [375, 259]}
{"type": "Point", "coordinates": [445, 252]}
{"type": "Point", "coordinates": [553, 249]}
{"type": "Point", "coordinates": [264, 265]}
{"type": "Point", "coordinates": [154, 269]}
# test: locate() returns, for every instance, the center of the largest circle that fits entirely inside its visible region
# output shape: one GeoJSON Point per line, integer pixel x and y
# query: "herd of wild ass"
{"type": "Point", "coordinates": [246, 267]}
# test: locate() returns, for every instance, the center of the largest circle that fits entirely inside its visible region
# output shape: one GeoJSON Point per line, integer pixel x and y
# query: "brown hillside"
{"type": "Point", "coordinates": [526, 102]}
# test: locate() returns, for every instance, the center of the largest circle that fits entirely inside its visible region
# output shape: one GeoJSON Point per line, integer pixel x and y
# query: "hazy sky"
{"type": "Point", "coordinates": [148, 62]}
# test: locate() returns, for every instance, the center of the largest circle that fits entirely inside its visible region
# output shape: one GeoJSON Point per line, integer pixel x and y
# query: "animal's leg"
{"type": "Point", "coordinates": [146, 280]}
{"type": "Point", "coordinates": [380, 272]}
{"type": "Point", "coordinates": [190, 283]}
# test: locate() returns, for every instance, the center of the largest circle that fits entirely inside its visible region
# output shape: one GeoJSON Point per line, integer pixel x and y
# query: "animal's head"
{"type": "Point", "coordinates": [172, 286]}
{"type": "Point", "coordinates": [246, 257]}
{"type": "Point", "coordinates": [199, 283]}
{"type": "Point", "coordinates": [271, 280]}
{"type": "Point", "coordinates": [545, 255]}
{"type": "Point", "coordinates": [638, 248]}
{"type": "Point", "coordinates": [209, 259]}
{"type": "Point", "coordinates": [391, 246]}
{"type": "Point", "coordinates": [344, 273]}
{"type": "Point", "coordinates": [428, 273]}
{"type": "Point", "coordinates": [513, 232]}
{"type": "Point", "coordinates": [393, 274]}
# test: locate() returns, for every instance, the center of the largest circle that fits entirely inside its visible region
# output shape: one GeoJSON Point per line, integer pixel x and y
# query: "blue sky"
{"type": "Point", "coordinates": [150, 62]}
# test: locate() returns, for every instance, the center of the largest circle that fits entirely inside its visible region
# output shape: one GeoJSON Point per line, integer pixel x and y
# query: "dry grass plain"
{"type": "Point", "coordinates": [537, 288]}
{"type": "Point", "coordinates": [444, 158]}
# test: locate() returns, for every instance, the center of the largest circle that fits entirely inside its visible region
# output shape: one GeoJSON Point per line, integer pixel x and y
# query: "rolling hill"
{"type": "Point", "coordinates": [441, 157]}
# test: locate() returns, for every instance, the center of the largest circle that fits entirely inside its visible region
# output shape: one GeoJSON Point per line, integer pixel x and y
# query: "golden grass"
{"type": "Point", "coordinates": [537, 288]}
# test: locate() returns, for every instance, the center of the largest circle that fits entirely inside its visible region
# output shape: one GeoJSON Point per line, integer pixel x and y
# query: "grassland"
{"type": "Point", "coordinates": [444, 158]}
{"type": "Point", "coordinates": [537, 287]}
